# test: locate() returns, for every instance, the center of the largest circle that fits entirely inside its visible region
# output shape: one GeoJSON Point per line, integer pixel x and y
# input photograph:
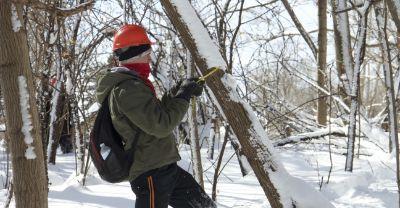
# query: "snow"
{"type": "Point", "coordinates": [372, 185]}
{"type": "Point", "coordinates": [53, 38]}
{"type": "Point", "coordinates": [317, 133]}
{"type": "Point", "coordinates": [16, 23]}
{"type": "Point", "coordinates": [93, 108]}
{"type": "Point", "coordinates": [205, 45]}
{"type": "Point", "coordinates": [68, 83]}
{"type": "Point", "coordinates": [2, 127]}
{"type": "Point", "coordinates": [290, 189]}
{"type": "Point", "coordinates": [26, 117]}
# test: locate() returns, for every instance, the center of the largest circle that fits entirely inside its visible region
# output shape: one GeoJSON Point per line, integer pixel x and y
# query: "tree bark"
{"type": "Point", "coordinates": [322, 47]}
{"type": "Point", "coordinates": [29, 179]}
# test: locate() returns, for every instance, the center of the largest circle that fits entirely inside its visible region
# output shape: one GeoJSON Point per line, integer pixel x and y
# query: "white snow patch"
{"type": "Point", "coordinates": [69, 86]}
{"type": "Point", "coordinates": [93, 108]}
{"type": "Point", "coordinates": [207, 48]}
{"type": "Point", "coordinates": [2, 127]}
{"type": "Point", "coordinates": [53, 38]}
{"type": "Point", "coordinates": [304, 195]}
{"type": "Point", "coordinates": [231, 84]}
{"type": "Point", "coordinates": [16, 23]}
{"type": "Point", "coordinates": [26, 117]}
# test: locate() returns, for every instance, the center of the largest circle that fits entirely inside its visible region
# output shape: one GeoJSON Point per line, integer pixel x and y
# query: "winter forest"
{"type": "Point", "coordinates": [300, 107]}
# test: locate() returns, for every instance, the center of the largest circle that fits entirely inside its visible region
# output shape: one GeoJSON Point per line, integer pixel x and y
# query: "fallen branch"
{"type": "Point", "coordinates": [311, 135]}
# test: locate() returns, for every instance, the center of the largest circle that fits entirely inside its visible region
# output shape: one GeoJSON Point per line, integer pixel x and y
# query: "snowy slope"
{"type": "Point", "coordinates": [371, 185]}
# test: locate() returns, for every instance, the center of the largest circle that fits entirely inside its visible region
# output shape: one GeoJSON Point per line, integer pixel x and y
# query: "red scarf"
{"type": "Point", "coordinates": [143, 70]}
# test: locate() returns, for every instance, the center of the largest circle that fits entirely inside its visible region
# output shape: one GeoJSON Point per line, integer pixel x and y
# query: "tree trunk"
{"type": "Point", "coordinates": [56, 120]}
{"type": "Point", "coordinates": [78, 136]}
{"type": "Point", "coordinates": [341, 51]}
{"type": "Point", "coordinates": [355, 85]}
{"type": "Point", "coordinates": [322, 47]}
{"type": "Point", "coordinates": [241, 118]}
{"type": "Point", "coordinates": [194, 132]}
{"type": "Point", "coordinates": [381, 20]}
{"type": "Point", "coordinates": [23, 128]}
{"type": "Point", "coordinates": [219, 163]}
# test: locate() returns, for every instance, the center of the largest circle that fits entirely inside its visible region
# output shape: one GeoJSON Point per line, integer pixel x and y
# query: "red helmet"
{"type": "Point", "coordinates": [130, 35]}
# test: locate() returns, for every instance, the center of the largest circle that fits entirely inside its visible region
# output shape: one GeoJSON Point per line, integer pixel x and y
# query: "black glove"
{"type": "Point", "coordinates": [200, 86]}
{"type": "Point", "coordinates": [190, 87]}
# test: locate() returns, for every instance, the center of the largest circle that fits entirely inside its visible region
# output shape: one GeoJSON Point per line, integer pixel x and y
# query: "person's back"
{"type": "Point", "coordinates": [137, 114]}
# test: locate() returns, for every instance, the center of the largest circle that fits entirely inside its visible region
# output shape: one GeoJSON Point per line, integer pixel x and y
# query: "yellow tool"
{"type": "Point", "coordinates": [213, 70]}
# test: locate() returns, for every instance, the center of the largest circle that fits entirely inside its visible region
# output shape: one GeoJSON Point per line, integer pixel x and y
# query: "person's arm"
{"type": "Point", "coordinates": [136, 101]}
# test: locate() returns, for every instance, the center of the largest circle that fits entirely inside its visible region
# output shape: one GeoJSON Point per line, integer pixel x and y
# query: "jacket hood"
{"type": "Point", "coordinates": [109, 80]}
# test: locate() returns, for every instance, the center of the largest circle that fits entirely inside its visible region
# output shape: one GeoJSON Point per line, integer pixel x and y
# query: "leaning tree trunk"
{"type": "Point", "coordinates": [30, 184]}
{"type": "Point", "coordinates": [245, 125]}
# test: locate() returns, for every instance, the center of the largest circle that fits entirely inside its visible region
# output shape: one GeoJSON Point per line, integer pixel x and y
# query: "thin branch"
{"type": "Point", "coordinates": [52, 8]}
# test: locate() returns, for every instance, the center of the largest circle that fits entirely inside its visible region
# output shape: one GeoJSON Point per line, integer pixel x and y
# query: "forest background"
{"type": "Point", "coordinates": [294, 77]}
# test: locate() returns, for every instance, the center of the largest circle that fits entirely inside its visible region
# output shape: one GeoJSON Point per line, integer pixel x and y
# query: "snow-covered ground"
{"type": "Point", "coordinates": [372, 184]}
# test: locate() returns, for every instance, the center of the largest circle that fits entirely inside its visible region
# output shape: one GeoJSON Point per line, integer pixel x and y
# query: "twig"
{"type": "Point", "coordinates": [60, 12]}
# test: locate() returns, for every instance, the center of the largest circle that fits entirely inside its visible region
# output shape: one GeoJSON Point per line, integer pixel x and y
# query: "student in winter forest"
{"type": "Point", "coordinates": [137, 114]}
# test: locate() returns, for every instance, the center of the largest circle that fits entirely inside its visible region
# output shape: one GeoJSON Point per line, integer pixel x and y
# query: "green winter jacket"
{"type": "Point", "coordinates": [136, 112]}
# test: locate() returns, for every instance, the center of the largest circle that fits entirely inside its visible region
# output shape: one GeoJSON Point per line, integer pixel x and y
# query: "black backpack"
{"type": "Point", "coordinates": [114, 165]}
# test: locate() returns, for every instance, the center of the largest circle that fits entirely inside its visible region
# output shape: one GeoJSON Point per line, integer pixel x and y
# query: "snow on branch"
{"type": "Point", "coordinates": [206, 47]}
{"type": "Point", "coordinates": [26, 117]}
{"type": "Point", "coordinates": [312, 135]}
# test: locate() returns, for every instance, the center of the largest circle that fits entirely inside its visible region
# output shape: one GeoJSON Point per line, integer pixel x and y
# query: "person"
{"type": "Point", "coordinates": [137, 114]}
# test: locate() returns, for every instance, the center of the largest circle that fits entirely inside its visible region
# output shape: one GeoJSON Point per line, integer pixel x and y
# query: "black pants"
{"type": "Point", "coordinates": [169, 185]}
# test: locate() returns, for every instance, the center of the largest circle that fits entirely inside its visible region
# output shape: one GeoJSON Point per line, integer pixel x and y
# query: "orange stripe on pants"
{"type": "Point", "coordinates": [151, 189]}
